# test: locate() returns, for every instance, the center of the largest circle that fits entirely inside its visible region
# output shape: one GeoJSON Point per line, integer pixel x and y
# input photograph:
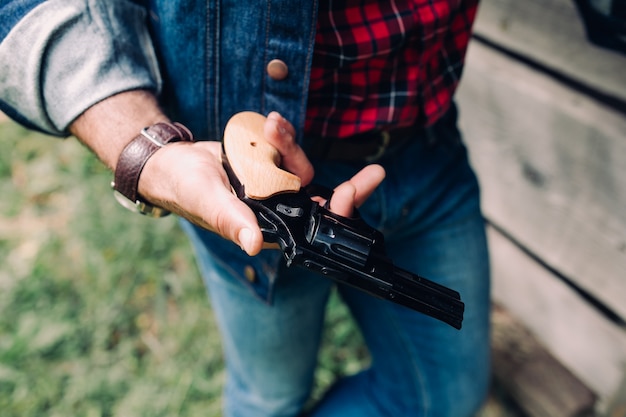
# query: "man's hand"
{"type": "Point", "coordinates": [350, 194]}
{"type": "Point", "coordinates": [188, 178]}
{"type": "Point", "coordinates": [355, 191]}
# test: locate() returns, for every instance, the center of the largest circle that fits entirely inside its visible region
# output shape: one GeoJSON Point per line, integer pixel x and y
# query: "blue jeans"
{"type": "Point", "coordinates": [271, 317]}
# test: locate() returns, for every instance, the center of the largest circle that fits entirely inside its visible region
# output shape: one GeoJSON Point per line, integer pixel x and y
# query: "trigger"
{"type": "Point", "coordinates": [316, 190]}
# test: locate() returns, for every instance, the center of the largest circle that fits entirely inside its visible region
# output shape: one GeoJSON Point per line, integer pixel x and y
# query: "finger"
{"type": "Point", "coordinates": [342, 200]}
{"type": "Point", "coordinates": [355, 191]}
{"type": "Point", "coordinates": [232, 219]}
{"type": "Point", "coordinates": [281, 134]}
{"type": "Point", "coordinates": [233, 224]}
{"type": "Point", "coordinates": [366, 181]}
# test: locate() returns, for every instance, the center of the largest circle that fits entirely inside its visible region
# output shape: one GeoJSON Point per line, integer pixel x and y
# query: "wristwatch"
{"type": "Point", "coordinates": [134, 157]}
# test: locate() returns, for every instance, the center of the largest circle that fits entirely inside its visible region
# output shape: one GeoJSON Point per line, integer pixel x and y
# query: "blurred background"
{"type": "Point", "coordinates": [543, 110]}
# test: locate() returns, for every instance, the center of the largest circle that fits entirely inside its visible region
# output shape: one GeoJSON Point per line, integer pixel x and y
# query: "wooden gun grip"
{"type": "Point", "coordinates": [253, 160]}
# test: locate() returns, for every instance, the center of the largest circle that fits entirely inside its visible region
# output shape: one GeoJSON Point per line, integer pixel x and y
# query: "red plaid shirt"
{"type": "Point", "coordinates": [385, 63]}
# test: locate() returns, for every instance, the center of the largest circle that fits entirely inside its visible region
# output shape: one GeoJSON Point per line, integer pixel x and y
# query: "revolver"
{"type": "Point", "coordinates": [344, 249]}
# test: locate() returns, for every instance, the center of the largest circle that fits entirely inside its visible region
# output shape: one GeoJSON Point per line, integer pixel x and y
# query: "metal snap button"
{"type": "Point", "coordinates": [249, 273]}
{"type": "Point", "coordinates": [277, 70]}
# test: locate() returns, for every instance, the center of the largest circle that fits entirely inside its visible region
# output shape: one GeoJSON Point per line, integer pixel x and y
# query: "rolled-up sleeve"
{"type": "Point", "coordinates": [63, 56]}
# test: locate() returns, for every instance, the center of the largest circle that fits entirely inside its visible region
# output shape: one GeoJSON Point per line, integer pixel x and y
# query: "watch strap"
{"type": "Point", "coordinates": [134, 156]}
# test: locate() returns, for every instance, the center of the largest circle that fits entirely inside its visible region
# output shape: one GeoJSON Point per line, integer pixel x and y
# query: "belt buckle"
{"type": "Point", "coordinates": [385, 139]}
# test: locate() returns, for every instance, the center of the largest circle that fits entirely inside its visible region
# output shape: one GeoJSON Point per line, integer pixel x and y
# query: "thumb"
{"type": "Point", "coordinates": [237, 222]}
{"type": "Point", "coordinates": [223, 213]}
{"type": "Point", "coordinates": [250, 241]}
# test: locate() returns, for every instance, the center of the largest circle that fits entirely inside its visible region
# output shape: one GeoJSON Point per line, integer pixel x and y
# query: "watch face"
{"type": "Point", "coordinates": [140, 206]}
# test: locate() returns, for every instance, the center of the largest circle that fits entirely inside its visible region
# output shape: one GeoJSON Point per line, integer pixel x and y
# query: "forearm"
{"type": "Point", "coordinates": [109, 125]}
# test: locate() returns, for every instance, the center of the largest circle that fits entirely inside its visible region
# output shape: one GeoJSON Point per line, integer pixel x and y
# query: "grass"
{"type": "Point", "coordinates": [102, 313]}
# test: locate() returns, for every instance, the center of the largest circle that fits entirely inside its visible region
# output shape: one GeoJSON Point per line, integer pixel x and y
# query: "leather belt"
{"type": "Point", "coordinates": [363, 147]}
{"type": "Point", "coordinates": [371, 146]}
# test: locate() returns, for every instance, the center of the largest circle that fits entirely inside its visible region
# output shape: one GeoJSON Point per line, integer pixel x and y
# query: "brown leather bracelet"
{"type": "Point", "coordinates": [134, 157]}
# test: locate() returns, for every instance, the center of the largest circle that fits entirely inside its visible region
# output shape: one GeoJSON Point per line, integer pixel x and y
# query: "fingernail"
{"type": "Point", "coordinates": [281, 129]}
{"type": "Point", "coordinates": [280, 122]}
{"type": "Point", "coordinates": [245, 239]}
{"type": "Point", "coordinates": [280, 126]}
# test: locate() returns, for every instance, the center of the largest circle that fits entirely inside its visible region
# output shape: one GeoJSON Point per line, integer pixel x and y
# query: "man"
{"type": "Point", "coordinates": [344, 84]}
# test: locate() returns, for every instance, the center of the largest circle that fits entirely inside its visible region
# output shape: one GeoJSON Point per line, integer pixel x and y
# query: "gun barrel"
{"type": "Point", "coordinates": [428, 297]}
{"type": "Point", "coordinates": [391, 283]}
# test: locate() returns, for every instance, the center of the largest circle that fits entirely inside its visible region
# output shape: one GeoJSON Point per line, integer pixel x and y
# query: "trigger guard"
{"type": "Point", "coordinates": [316, 190]}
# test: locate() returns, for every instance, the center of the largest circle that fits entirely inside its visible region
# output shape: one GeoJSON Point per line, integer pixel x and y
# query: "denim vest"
{"type": "Point", "coordinates": [213, 59]}
{"type": "Point", "coordinates": [213, 64]}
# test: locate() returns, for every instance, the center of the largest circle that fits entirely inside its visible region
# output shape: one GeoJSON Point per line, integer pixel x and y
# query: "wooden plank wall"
{"type": "Point", "coordinates": [544, 117]}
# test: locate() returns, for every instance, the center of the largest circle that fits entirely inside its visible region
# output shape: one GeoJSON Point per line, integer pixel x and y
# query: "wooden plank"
{"type": "Point", "coordinates": [531, 375]}
{"type": "Point", "coordinates": [589, 346]}
{"type": "Point", "coordinates": [617, 408]}
{"type": "Point", "coordinates": [552, 165]}
{"type": "Point", "coordinates": [552, 33]}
